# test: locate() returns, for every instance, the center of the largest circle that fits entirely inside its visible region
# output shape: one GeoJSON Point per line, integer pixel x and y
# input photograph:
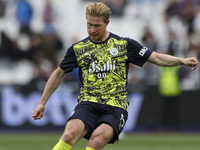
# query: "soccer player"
{"type": "Point", "coordinates": [103, 59]}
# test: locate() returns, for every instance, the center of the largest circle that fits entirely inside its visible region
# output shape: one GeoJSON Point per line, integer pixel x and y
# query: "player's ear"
{"type": "Point", "coordinates": [107, 22]}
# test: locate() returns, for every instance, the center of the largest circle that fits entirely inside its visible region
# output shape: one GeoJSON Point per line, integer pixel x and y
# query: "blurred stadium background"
{"type": "Point", "coordinates": [35, 35]}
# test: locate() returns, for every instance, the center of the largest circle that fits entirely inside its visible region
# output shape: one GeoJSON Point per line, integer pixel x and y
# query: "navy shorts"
{"type": "Point", "coordinates": [94, 114]}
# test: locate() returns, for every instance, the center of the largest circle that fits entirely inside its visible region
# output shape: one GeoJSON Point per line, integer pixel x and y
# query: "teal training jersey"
{"type": "Point", "coordinates": [103, 68]}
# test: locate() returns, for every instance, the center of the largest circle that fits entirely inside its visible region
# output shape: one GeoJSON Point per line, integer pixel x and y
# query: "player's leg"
{"type": "Point", "coordinates": [74, 131]}
{"type": "Point", "coordinates": [100, 137]}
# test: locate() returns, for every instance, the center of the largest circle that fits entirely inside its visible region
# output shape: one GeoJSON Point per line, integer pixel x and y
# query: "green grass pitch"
{"type": "Point", "coordinates": [135, 141]}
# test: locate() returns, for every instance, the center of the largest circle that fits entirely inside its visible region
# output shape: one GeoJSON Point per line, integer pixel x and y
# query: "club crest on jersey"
{"type": "Point", "coordinates": [114, 51]}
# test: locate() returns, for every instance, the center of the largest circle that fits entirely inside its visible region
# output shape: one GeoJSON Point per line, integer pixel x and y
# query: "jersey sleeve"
{"type": "Point", "coordinates": [137, 54]}
{"type": "Point", "coordinates": [69, 62]}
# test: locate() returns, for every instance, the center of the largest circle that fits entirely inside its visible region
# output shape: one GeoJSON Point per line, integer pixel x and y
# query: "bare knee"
{"type": "Point", "coordinates": [98, 141]}
{"type": "Point", "coordinates": [74, 130]}
{"type": "Point", "coordinates": [68, 136]}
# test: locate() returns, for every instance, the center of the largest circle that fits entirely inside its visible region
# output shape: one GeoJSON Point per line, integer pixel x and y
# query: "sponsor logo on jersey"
{"type": "Point", "coordinates": [114, 51]}
{"type": "Point", "coordinates": [143, 51]}
{"type": "Point", "coordinates": [104, 68]}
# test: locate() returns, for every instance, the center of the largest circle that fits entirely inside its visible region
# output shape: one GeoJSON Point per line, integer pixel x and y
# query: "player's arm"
{"type": "Point", "coordinates": [169, 61]}
{"type": "Point", "coordinates": [53, 82]}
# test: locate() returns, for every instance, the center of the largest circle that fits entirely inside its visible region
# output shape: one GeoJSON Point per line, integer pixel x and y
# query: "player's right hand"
{"type": "Point", "coordinates": [38, 112]}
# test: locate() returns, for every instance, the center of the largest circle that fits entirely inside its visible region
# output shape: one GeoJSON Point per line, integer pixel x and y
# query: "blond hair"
{"type": "Point", "coordinates": [98, 10]}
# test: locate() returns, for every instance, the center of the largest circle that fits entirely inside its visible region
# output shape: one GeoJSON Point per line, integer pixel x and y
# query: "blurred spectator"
{"type": "Point", "coordinates": [52, 43]}
{"type": "Point", "coordinates": [11, 50]}
{"type": "Point", "coordinates": [149, 40]}
{"type": "Point", "coordinates": [48, 18]}
{"type": "Point", "coordinates": [185, 10]}
{"type": "Point", "coordinates": [172, 10]}
{"type": "Point", "coordinates": [6, 46]}
{"type": "Point", "coordinates": [170, 89]}
{"type": "Point", "coordinates": [2, 8]}
{"type": "Point", "coordinates": [48, 13]}
{"type": "Point", "coordinates": [24, 14]}
{"type": "Point", "coordinates": [196, 23]}
{"type": "Point", "coordinates": [173, 45]}
{"type": "Point", "coordinates": [45, 49]}
{"type": "Point", "coordinates": [187, 14]}
{"type": "Point", "coordinates": [170, 92]}
{"type": "Point", "coordinates": [194, 43]}
{"type": "Point", "coordinates": [117, 7]}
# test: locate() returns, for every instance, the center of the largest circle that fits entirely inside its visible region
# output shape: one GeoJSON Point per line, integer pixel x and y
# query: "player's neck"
{"type": "Point", "coordinates": [106, 35]}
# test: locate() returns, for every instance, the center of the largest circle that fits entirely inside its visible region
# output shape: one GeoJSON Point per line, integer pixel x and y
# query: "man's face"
{"type": "Point", "coordinates": [96, 28]}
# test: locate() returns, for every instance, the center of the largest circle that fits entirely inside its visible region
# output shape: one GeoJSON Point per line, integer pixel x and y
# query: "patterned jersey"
{"type": "Point", "coordinates": [103, 68]}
